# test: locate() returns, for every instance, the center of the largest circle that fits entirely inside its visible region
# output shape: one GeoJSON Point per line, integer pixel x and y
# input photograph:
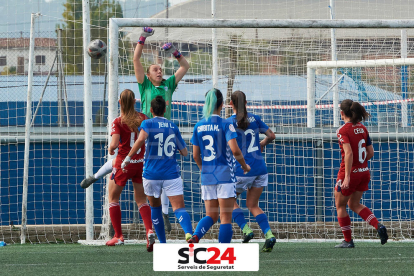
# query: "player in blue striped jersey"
{"type": "Point", "coordinates": [214, 145]}
{"type": "Point", "coordinates": [161, 171]}
{"type": "Point", "coordinates": [248, 127]}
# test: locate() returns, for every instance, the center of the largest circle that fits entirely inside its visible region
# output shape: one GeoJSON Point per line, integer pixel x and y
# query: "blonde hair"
{"type": "Point", "coordinates": [129, 116]}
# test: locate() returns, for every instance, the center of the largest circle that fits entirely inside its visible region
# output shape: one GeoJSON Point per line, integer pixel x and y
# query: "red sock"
{"type": "Point", "coordinates": [115, 214]}
{"type": "Point", "coordinates": [369, 217]}
{"type": "Point", "coordinates": [345, 224]}
{"type": "Point", "coordinates": [145, 212]}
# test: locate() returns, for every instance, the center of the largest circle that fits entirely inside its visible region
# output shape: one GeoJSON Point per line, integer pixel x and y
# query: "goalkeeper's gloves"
{"type": "Point", "coordinates": [125, 162]}
{"type": "Point", "coordinates": [146, 32]}
{"type": "Point", "coordinates": [170, 49]}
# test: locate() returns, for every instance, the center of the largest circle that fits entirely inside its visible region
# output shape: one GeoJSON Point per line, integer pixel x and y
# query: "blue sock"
{"type": "Point", "coordinates": [184, 220]}
{"type": "Point", "coordinates": [225, 233]}
{"type": "Point", "coordinates": [203, 226]}
{"type": "Point", "coordinates": [238, 217]}
{"type": "Point", "coordinates": [263, 223]}
{"type": "Point", "coordinates": [158, 222]}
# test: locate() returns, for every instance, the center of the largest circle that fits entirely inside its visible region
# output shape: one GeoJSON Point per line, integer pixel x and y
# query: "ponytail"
{"type": "Point", "coordinates": [354, 110]}
{"type": "Point", "coordinates": [128, 114]}
{"type": "Point", "coordinates": [214, 99]}
{"type": "Point", "coordinates": [238, 99]}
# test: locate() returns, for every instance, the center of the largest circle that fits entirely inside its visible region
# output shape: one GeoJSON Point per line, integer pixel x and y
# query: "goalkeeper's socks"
{"type": "Point", "coordinates": [115, 214]}
{"type": "Point", "coordinates": [145, 212]}
{"type": "Point", "coordinates": [184, 220]}
{"type": "Point", "coordinates": [156, 215]}
{"type": "Point", "coordinates": [369, 217]}
{"type": "Point", "coordinates": [104, 170]}
{"type": "Point", "coordinates": [345, 224]}
{"type": "Point", "coordinates": [165, 202]}
{"type": "Point", "coordinates": [238, 217]}
{"type": "Point", "coordinates": [263, 223]}
{"type": "Point", "coordinates": [225, 233]}
{"type": "Point", "coordinates": [203, 226]}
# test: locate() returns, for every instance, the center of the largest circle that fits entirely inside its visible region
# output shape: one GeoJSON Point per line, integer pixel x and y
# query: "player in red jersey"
{"type": "Point", "coordinates": [353, 175]}
{"type": "Point", "coordinates": [124, 133]}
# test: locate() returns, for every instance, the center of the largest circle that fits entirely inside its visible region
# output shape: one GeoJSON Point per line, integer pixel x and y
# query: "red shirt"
{"type": "Point", "coordinates": [358, 137]}
{"type": "Point", "coordinates": [126, 141]}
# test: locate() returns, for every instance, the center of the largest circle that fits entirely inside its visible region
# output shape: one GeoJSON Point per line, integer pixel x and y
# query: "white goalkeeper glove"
{"type": "Point", "coordinates": [146, 32]}
{"type": "Point", "coordinates": [125, 162]}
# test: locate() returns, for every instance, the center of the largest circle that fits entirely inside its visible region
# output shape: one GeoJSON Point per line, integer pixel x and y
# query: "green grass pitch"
{"type": "Point", "coordinates": [286, 259]}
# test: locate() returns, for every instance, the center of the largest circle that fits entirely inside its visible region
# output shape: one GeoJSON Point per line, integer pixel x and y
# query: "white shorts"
{"type": "Point", "coordinates": [172, 187]}
{"type": "Point", "coordinates": [209, 192]}
{"type": "Point", "coordinates": [245, 183]}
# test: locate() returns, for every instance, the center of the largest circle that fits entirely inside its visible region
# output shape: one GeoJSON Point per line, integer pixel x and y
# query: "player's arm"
{"type": "Point", "coordinates": [197, 156]}
{"type": "Point", "coordinates": [184, 66]}
{"type": "Point", "coordinates": [137, 145]}
{"type": "Point", "coordinates": [370, 152]}
{"type": "Point", "coordinates": [184, 152]}
{"type": "Point", "coordinates": [237, 153]}
{"type": "Point", "coordinates": [114, 143]}
{"type": "Point", "coordinates": [138, 68]}
{"type": "Point", "coordinates": [270, 136]}
{"type": "Point", "coordinates": [348, 164]}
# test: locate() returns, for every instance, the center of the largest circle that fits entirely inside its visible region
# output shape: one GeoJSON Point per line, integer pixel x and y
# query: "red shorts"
{"type": "Point", "coordinates": [359, 182]}
{"type": "Point", "coordinates": [134, 172]}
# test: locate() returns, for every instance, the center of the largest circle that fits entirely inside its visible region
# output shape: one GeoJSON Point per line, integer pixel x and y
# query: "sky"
{"type": "Point", "coordinates": [16, 13]}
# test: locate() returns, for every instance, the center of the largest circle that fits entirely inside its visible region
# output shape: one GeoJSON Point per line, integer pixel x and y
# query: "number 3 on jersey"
{"type": "Point", "coordinates": [209, 147]}
{"type": "Point", "coordinates": [362, 151]}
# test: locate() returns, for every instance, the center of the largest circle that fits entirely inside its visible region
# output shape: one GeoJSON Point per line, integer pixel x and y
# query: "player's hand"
{"type": "Point", "coordinates": [125, 163]}
{"type": "Point", "coordinates": [111, 152]}
{"type": "Point", "coordinates": [169, 48]}
{"type": "Point", "coordinates": [345, 184]}
{"type": "Point", "coordinates": [147, 31]}
{"type": "Point", "coordinates": [246, 169]}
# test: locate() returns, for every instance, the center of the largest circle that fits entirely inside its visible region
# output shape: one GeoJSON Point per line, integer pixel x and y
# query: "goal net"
{"type": "Point", "coordinates": [270, 66]}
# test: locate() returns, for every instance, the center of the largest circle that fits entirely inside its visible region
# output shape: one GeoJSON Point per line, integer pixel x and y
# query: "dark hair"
{"type": "Point", "coordinates": [214, 99]}
{"type": "Point", "coordinates": [238, 99]}
{"type": "Point", "coordinates": [354, 110]}
{"type": "Point", "coordinates": [158, 106]}
{"type": "Point", "coordinates": [128, 114]}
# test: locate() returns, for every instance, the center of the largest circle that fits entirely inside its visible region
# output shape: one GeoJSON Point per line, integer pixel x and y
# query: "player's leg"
{"type": "Point", "coordinates": [364, 212]}
{"type": "Point", "coordinates": [226, 210]}
{"type": "Point", "coordinates": [343, 219]}
{"type": "Point", "coordinates": [177, 203]}
{"type": "Point", "coordinates": [114, 192]}
{"type": "Point", "coordinates": [238, 216]}
{"type": "Point", "coordinates": [212, 214]}
{"type": "Point", "coordinates": [165, 206]}
{"type": "Point", "coordinates": [156, 215]}
{"type": "Point", "coordinates": [144, 211]}
{"type": "Point", "coordinates": [104, 170]}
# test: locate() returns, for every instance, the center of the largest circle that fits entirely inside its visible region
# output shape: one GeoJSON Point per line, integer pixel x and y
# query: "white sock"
{"type": "Point", "coordinates": [104, 170]}
{"type": "Point", "coordinates": [165, 202]}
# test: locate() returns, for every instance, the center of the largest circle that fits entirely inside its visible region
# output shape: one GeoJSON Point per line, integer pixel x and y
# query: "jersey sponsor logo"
{"type": "Point", "coordinates": [208, 128]}
{"type": "Point", "coordinates": [360, 170]}
{"type": "Point", "coordinates": [231, 127]}
{"type": "Point", "coordinates": [359, 130]}
{"type": "Point", "coordinates": [135, 161]}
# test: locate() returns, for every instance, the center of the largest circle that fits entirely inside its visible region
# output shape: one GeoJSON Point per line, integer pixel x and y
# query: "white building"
{"type": "Point", "coordinates": [14, 54]}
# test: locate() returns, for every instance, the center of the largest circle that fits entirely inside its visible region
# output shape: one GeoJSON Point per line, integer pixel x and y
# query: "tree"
{"type": "Point", "coordinates": [72, 33]}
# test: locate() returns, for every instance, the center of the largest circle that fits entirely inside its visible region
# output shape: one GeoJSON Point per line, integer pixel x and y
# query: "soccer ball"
{"type": "Point", "coordinates": [96, 49]}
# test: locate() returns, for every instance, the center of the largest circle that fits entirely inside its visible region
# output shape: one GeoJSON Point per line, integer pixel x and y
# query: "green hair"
{"type": "Point", "coordinates": [211, 102]}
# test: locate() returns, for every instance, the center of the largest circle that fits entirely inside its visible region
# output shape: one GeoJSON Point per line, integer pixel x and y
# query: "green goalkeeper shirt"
{"type": "Point", "coordinates": [148, 92]}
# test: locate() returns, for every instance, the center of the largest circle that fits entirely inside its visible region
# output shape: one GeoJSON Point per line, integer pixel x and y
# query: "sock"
{"type": "Point", "coordinates": [263, 223]}
{"type": "Point", "coordinates": [369, 217]}
{"type": "Point", "coordinates": [156, 215]}
{"type": "Point", "coordinates": [225, 233]}
{"type": "Point", "coordinates": [145, 212]}
{"type": "Point", "coordinates": [203, 226]}
{"type": "Point", "coordinates": [165, 203]}
{"type": "Point", "coordinates": [184, 220]}
{"type": "Point", "coordinates": [238, 217]}
{"type": "Point", "coordinates": [345, 224]}
{"type": "Point", "coordinates": [115, 214]}
{"type": "Point", "coordinates": [104, 170]}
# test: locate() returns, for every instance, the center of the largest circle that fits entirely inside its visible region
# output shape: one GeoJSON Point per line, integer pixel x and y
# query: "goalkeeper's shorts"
{"type": "Point", "coordinates": [133, 172]}
{"type": "Point", "coordinates": [172, 187]}
{"type": "Point", "coordinates": [246, 182]}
